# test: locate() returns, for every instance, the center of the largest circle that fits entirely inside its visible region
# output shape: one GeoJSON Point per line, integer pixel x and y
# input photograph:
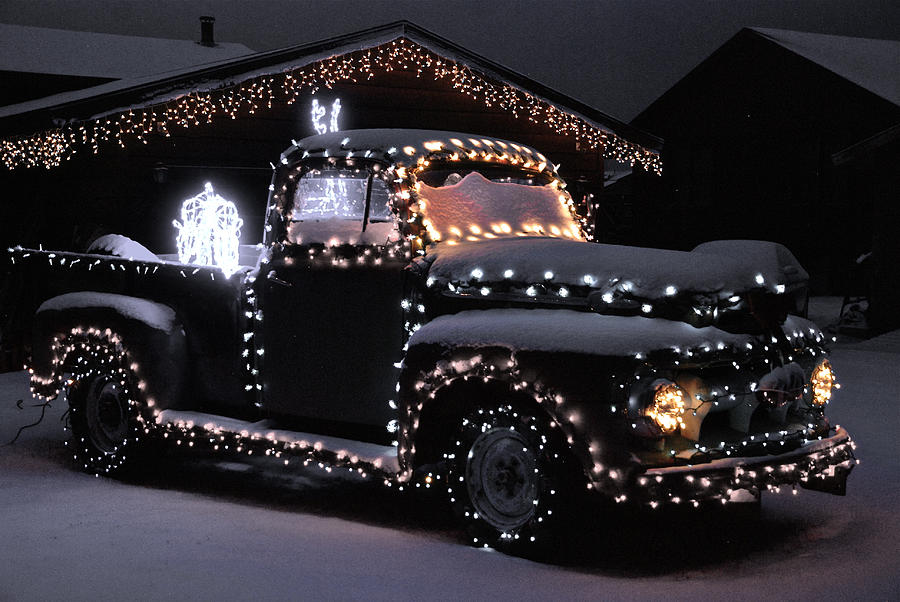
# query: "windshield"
{"type": "Point", "coordinates": [487, 201]}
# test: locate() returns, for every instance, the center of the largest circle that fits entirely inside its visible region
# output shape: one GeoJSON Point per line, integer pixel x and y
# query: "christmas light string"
{"type": "Point", "coordinates": [98, 351]}
{"type": "Point", "coordinates": [654, 490]}
{"type": "Point", "coordinates": [346, 255]}
{"type": "Point", "coordinates": [50, 148]}
{"type": "Point", "coordinates": [621, 483]}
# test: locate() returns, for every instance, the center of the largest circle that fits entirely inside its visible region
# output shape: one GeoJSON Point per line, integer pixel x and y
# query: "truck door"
{"type": "Point", "coordinates": [331, 297]}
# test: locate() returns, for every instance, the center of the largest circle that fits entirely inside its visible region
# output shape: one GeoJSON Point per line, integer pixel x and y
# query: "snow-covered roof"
{"type": "Point", "coordinates": [89, 54]}
{"type": "Point", "coordinates": [869, 63]}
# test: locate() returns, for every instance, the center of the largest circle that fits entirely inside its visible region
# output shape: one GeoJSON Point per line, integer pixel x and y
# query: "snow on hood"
{"type": "Point", "coordinates": [565, 330]}
{"type": "Point", "coordinates": [562, 330]}
{"type": "Point", "coordinates": [775, 256]}
{"type": "Point", "coordinates": [640, 272]}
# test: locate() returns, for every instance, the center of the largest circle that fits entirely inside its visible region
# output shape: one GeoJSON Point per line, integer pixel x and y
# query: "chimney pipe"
{"type": "Point", "coordinates": [206, 31]}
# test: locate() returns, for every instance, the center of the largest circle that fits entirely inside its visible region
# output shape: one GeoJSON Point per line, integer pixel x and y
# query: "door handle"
{"type": "Point", "coordinates": [275, 279]}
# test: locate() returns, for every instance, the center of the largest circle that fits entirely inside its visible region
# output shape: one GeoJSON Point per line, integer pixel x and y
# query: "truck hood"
{"type": "Point", "coordinates": [608, 278]}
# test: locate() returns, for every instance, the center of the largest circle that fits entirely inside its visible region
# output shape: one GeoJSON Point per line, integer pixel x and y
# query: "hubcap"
{"type": "Point", "coordinates": [106, 415]}
{"type": "Point", "coordinates": [501, 478]}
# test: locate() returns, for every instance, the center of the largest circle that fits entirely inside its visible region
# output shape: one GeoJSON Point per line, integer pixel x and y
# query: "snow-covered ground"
{"type": "Point", "coordinates": [195, 529]}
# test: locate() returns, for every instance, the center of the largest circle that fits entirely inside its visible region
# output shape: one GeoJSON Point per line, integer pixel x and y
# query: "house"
{"type": "Point", "coordinates": [867, 175]}
{"type": "Point", "coordinates": [750, 135]}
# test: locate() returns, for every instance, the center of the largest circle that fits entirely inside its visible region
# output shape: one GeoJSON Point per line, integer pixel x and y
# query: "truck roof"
{"type": "Point", "coordinates": [408, 147]}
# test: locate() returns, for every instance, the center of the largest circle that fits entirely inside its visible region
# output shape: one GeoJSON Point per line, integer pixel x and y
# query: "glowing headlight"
{"type": "Point", "coordinates": [667, 407]}
{"type": "Point", "coordinates": [822, 383]}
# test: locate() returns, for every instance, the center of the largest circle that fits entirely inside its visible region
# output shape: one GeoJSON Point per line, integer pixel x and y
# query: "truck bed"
{"type": "Point", "coordinates": [209, 306]}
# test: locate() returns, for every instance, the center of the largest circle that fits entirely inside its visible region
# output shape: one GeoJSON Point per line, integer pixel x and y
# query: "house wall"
{"type": "Point", "coordinates": [871, 181]}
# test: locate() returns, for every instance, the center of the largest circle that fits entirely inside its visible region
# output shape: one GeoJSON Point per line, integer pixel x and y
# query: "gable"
{"type": "Point", "coordinates": [134, 111]}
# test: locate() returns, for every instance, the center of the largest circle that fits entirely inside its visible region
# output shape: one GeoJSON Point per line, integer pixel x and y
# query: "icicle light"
{"type": "Point", "coordinates": [50, 148]}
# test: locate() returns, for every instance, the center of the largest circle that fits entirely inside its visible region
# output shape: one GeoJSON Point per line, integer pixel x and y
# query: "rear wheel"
{"type": "Point", "coordinates": [512, 480]}
{"type": "Point", "coordinates": [107, 428]}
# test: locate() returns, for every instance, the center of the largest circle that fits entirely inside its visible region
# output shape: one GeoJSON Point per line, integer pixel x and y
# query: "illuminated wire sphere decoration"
{"type": "Point", "coordinates": [209, 231]}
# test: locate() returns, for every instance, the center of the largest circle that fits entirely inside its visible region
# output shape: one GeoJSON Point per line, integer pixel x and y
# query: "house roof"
{"type": "Point", "coordinates": [200, 82]}
{"type": "Point", "coordinates": [88, 54]}
{"type": "Point", "coordinates": [869, 63]}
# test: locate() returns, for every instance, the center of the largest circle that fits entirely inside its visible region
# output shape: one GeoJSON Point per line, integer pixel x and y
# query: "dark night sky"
{"type": "Point", "coordinates": [615, 55]}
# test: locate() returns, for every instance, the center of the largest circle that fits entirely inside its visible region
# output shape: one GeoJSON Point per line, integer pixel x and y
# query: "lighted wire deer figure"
{"type": "Point", "coordinates": [318, 112]}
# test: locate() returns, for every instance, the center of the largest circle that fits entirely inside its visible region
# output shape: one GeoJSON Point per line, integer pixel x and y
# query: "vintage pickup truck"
{"type": "Point", "coordinates": [427, 308]}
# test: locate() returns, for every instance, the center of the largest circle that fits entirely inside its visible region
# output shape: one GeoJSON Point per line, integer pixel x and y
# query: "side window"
{"type": "Point", "coordinates": [329, 207]}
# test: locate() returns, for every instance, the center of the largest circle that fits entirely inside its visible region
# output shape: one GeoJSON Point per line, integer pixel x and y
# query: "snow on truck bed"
{"type": "Point", "coordinates": [122, 246]}
{"type": "Point", "coordinates": [650, 272]}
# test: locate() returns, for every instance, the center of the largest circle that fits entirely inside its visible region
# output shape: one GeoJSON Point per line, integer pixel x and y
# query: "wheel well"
{"type": "Point", "coordinates": [161, 357]}
{"type": "Point", "coordinates": [440, 418]}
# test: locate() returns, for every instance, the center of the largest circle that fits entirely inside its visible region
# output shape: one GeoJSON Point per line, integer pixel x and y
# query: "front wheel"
{"type": "Point", "coordinates": [512, 480]}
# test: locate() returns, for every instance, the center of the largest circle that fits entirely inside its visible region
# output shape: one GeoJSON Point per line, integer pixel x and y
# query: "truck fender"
{"type": "Point", "coordinates": [150, 332]}
{"type": "Point", "coordinates": [439, 386]}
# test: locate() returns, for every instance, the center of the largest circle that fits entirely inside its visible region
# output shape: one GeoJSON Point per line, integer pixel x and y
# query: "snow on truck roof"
{"type": "Point", "coordinates": [409, 146]}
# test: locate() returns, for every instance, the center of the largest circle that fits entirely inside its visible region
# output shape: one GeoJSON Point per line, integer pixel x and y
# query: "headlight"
{"type": "Point", "coordinates": [667, 407]}
{"type": "Point", "coordinates": [822, 383]}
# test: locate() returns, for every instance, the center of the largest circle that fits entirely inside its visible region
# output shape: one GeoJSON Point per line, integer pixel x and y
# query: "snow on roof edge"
{"type": "Point", "coordinates": [99, 54]}
{"type": "Point", "coordinates": [845, 56]}
{"type": "Point", "coordinates": [449, 54]}
{"type": "Point", "coordinates": [164, 95]}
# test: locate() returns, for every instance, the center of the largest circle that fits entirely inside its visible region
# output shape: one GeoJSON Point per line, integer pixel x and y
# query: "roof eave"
{"type": "Point", "coordinates": [44, 117]}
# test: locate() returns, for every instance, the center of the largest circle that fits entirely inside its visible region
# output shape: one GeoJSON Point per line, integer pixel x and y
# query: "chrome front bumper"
{"type": "Point", "coordinates": [821, 465]}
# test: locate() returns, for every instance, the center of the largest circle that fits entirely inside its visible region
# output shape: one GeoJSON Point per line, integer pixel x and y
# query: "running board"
{"type": "Point", "coordinates": [219, 433]}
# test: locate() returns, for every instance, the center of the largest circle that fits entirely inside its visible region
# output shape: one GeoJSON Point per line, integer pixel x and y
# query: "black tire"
{"type": "Point", "coordinates": [513, 482]}
{"type": "Point", "coordinates": [108, 429]}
